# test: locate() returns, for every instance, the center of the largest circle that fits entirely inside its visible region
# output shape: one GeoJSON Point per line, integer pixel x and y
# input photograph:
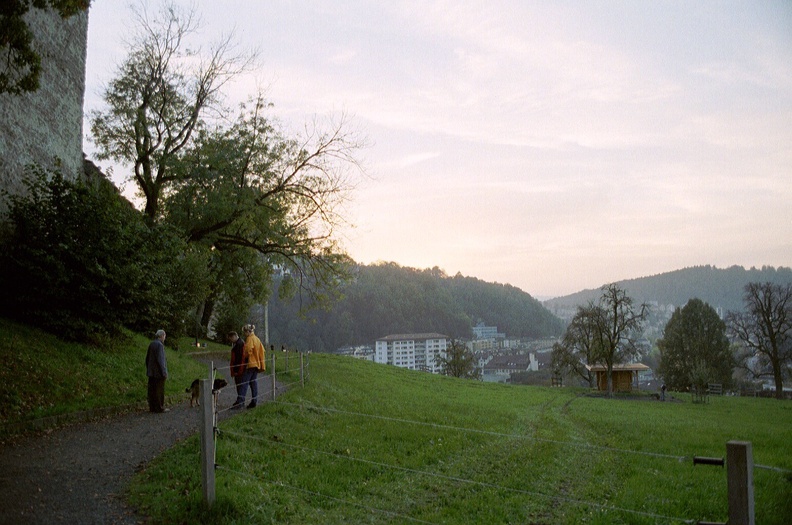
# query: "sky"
{"type": "Point", "coordinates": [553, 146]}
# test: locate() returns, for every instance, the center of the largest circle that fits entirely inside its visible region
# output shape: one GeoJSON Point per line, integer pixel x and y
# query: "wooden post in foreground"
{"type": "Point", "coordinates": [739, 473]}
{"type": "Point", "coordinates": [207, 442]}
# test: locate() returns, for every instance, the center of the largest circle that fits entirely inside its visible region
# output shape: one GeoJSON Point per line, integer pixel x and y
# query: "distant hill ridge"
{"type": "Point", "coordinates": [720, 287]}
{"type": "Point", "coordinates": [385, 298]}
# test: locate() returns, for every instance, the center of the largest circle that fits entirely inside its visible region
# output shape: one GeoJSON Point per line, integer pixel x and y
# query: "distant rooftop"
{"type": "Point", "coordinates": [412, 337]}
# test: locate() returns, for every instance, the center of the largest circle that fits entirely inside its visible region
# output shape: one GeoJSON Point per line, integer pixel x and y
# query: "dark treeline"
{"type": "Point", "coordinates": [718, 287]}
{"type": "Point", "coordinates": [385, 298]}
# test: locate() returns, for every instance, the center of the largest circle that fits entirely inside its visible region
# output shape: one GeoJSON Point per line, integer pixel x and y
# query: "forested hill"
{"type": "Point", "coordinates": [386, 298]}
{"type": "Point", "coordinates": [719, 287]}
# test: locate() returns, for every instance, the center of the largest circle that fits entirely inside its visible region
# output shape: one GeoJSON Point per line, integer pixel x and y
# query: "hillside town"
{"type": "Point", "coordinates": [503, 359]}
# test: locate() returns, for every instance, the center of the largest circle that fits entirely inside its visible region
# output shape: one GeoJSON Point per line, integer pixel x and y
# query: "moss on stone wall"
{"type": "Point", "coordinates": [45, 127]}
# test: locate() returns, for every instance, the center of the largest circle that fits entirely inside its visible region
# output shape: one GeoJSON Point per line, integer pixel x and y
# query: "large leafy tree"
{"type": "Point", "coordinates": [695, 345]}
{"type": "Point", "coordinates": [764, 329]}
{"type": "Point", "coordinates": [246, 188]}
{"type": "Point", "coordinates": [580, 345]}
{"type": "Point", "coordinates": [20, 63]}
{"type": "Point", "coordinates": [258, 200]}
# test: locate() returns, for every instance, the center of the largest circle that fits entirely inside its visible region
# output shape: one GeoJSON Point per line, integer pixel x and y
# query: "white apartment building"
{"type": "Point", "coordinates": [412, 351]}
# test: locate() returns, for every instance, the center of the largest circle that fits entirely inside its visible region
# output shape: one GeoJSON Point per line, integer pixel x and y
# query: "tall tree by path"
{"type": "Point", "coordinates": [248, 187]}
{"type": "Point", "coordinates": [256, 199]}
{"type": "Point", "coordinates": [161, 95]}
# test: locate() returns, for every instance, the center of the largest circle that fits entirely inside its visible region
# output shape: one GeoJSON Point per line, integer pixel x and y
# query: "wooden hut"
{"type": "Point", "coordinates": [624, 376]}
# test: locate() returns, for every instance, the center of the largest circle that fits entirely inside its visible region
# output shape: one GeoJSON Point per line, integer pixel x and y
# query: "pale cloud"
{"type": "Point", "coordinates": [407, 161]}
{"type": "Point", "coordinates": [551, 146]}
{"type": "Point", "coordinates": [344, 57]}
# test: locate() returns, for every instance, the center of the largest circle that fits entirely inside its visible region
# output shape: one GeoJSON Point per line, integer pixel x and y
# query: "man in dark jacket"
{"type": "Point", "coordinates": [157, 372]}
{"type": "Point", "coordinates": [238, 365]}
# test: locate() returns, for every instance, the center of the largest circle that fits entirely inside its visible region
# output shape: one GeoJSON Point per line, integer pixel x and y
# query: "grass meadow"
{"type": "Point", "coordinates": [366, 443]}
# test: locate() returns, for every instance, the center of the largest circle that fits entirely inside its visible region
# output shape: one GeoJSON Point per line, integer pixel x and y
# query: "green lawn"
{"type": "Point", "coordinates": [365, 443]}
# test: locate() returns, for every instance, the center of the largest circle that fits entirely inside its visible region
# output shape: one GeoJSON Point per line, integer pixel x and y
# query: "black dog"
{"type": "Point", "coordinates": [194, 388]}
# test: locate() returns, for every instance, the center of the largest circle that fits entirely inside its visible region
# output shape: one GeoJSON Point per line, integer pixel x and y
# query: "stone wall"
{"type": "Point", "coordinates": [45, 127]}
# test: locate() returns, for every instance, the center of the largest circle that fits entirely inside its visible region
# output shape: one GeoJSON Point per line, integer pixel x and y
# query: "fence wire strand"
{"type": "Point", "coordinates": [490, 432]}
{"type": "Point", "coordinates": [314, 493]}
{"type": "Point", "coordinates": [468, 481]}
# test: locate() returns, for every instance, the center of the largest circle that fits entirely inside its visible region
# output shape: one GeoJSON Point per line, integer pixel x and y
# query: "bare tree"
{"type": "Point", "coordinates": [617, 326]}
{"type": "Point", "coordinates": [580, 345]}
{"type": "Point", "coordinates": [160, 97]}
{"type": "Point", "coordinates": [765, 330]}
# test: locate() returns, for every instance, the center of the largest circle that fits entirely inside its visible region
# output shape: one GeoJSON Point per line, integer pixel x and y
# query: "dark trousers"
{"type": "Point", "coordinates": [248, 378]}
{"type": "Point", "coordinates": [240, 392]}
{"type": "Point", "coordinates": [156, 394]}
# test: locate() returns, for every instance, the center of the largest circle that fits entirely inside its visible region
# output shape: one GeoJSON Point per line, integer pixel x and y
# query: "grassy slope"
{"type": "Point", "coordinates": [42, 376]}
{"type": "Point", "coordinates": [313, 458]}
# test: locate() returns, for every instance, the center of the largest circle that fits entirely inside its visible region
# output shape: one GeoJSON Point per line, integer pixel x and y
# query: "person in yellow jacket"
{"type": "Point", "coordinates": [253, 354]}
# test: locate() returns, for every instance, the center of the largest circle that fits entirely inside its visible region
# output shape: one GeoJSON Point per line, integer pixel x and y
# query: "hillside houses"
{"type": "Point", "coordinates": [499, 368]}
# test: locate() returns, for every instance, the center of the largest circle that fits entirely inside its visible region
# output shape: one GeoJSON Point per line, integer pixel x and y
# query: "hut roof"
{"type": "Point", "coordinates": [625, 367]}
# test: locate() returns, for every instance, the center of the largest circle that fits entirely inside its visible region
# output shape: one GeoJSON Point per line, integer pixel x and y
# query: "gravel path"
{"type": "Point", "coordinates": [78, 474]}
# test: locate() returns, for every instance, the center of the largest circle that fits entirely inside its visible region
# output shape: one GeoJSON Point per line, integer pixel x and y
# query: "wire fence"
{"type": "Point", "coordinates": [280, 370]}
{"type": "Point", "coordinates": [458, 479]}
{"type": "Point", "coordinates": [547, 495]}
{"type": "Point", "coordinates": [322, 495]}
{"type": "Point", "coordinates": [676, 457]}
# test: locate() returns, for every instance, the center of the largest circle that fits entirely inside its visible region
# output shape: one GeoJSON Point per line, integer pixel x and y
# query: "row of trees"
{"type": "Point", "coordinates": [232, 198]}
{"type": "Point", "coordinates": [696, 348]}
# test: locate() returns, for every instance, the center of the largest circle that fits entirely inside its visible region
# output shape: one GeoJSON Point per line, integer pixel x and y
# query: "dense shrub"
{"type": "Point", "coordinates": [78, 260]}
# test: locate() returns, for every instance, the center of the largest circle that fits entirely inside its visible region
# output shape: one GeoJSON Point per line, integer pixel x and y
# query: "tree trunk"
{"type": "Point", "coordinates": [779, 383]}
{"type": "Point", "coordinates": [208, 310]}
{"type": "Point", "coordinates": [197, 322]}
{"type": "Point", "coordinates": [610, 380]}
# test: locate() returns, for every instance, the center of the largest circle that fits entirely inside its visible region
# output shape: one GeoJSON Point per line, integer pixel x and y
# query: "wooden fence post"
{"type": "Point", "coordinates": [207, 441]}
{"type": "Point", "coordinates": [302, 371]}
{"type": "Point", "coordinates": [739, 472]}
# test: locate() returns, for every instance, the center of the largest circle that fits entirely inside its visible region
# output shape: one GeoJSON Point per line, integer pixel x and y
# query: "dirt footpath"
{"type": "Point", "coordinates": [78, 474]}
